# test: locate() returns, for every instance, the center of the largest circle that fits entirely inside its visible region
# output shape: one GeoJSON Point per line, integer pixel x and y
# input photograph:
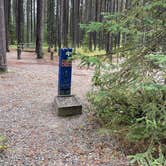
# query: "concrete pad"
{"type": "Point", "coordinates": [67, 105]}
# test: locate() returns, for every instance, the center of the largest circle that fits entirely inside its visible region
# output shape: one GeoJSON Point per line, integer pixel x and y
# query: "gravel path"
{"type": "Point", "coordinates": [36, 136]}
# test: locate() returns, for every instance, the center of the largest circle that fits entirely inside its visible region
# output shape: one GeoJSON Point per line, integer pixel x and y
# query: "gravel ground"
{"type": "Point", "coordinates": [36, 135]}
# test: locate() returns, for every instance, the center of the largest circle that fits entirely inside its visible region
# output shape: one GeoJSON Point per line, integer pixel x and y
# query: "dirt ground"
{"type": "Point", "coordinates": [36, 135]}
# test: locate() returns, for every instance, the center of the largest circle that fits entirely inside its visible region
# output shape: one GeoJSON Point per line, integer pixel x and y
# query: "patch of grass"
{"type": "Point", "coordinates": [83, 50]}
{"type": "Point", "coordinates": [3, 145]}
{"type": "Point", "coordinates": [13, 46]}
{"type": "Point", "coordinates": [3, 71]}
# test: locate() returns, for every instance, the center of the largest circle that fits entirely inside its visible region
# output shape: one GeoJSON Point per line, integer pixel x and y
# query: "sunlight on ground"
{"type": "Point", "coordinates": [81, 50]}
{"type": "Point", "coordinates": [90, 53]}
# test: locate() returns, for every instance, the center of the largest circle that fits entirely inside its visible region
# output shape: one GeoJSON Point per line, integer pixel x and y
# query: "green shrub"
{"type": "Point", "coordinates": [130, 95]}
{"type": "Point", "coordinates": [141, 110]}
{"type": "Point", "coordinates": [148, 159]}
{"type": "Point", "coordinates": [130, 98]}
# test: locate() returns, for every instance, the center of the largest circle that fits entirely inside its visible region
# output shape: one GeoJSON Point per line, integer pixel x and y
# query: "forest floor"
{"type": "Point", "coordinates": [36, 136]}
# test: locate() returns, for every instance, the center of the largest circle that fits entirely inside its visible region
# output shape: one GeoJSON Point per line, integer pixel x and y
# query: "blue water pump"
{"type": "Point", "coordinates": [65, 72]}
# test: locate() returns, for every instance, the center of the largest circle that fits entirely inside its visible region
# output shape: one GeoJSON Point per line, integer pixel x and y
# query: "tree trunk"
{"type": "Point", "coordinates": [50, 23]}
{"type": "Point", "coordinates": [34, 17]}
{"type": "Point", "coordinates": [19, 20]}
{"type": "Point", "coordinates": [3, 61]}
{"type": "Point", "coordinates": [28, 22]}
{"type": "Point", "coordinates": [65, 22]}
{"type": "Point", "coordinates": [39, 29]}
{"type": "Point", "coordinates": [31, 21]}
{"type": "Point", "coordinates": [7, 20]}
{"type": "Point", "coordinates": [58, 20]}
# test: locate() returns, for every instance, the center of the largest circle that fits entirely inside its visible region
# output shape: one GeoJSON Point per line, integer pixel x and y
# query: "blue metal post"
{"type": "Point", "coordinates": [65, 71]}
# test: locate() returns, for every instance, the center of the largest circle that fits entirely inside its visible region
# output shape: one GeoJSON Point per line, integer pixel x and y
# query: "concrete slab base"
{"type": "Point", "coordinates": [67, 105]}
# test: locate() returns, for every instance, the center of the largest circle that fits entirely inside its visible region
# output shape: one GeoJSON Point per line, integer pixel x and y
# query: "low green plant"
{"type": "Point", "coordinates": [148, 159]}
{"type": "Point", "coordinates": [2, 143]}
